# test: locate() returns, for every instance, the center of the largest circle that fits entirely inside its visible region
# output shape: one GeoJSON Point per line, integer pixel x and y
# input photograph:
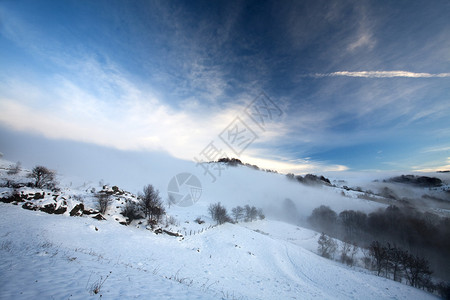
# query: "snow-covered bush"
{"type": "Point", "coordinates": [131, 211]}
{"type": "Point", "coordinates": [327, 246]}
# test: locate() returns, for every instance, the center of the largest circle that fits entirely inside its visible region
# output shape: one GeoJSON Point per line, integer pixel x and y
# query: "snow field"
{"type": "Point", "coordinates": [55, 256]}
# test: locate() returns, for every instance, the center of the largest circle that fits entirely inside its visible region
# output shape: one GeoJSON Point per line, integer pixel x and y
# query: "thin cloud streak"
{"type": "Point", "coordinates": [383, 74]}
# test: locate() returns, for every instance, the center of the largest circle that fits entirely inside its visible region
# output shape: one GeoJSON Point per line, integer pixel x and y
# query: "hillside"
{"type": "Point", "coordinates": [64, 257]}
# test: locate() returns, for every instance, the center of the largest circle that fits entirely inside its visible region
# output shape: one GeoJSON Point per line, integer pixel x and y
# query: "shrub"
{"type": "Point", "coordinates": [327, 246]}
{"type": "Point", "coordinates": [170, 220]}
{"type": "Point", "coordinates": [131, 211]}
{"type": "Point", "coordinates": [199, 220]}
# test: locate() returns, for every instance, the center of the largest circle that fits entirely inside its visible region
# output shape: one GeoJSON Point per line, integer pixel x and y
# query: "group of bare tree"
{"type": "Point", "coordinates": [327, 247]}
{"type": "Point", "coordinates": [412, 232]}
{"type": "Point", "coordinates": [396, 263]}
{"type": "Point", "coordinates": [148, 206]}
{"type": "Point", "coordinates": [247, 213]}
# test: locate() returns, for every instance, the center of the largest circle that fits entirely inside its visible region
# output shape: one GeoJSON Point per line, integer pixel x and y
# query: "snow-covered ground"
{"type": "Point", "coordinates": [45, 256]}
{"type": "Point", "coordinates": [60, 257]}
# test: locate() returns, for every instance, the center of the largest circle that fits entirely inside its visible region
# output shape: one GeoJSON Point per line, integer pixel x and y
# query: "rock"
{"type": "Point", "coordinates": [15, 197]}
{"type": "Point", "coordinates": [39, 196]}
{"type": "Point", "coordinates": [90, 212]}
{"type": "Point", "coordinates": [158, 231]}
{"type": "Point", "coordinates": [29, 206]}
{"type": "Point", "coordinates": [51, 209]}
{"type": "Point", "coordinates": [123, 223]}
{"type": "Point", "coordinates": [172, 233]}
{"type": "Point", "coordinates": [99, 217]}
{"type": "Point", "coordinates": [77, 211]}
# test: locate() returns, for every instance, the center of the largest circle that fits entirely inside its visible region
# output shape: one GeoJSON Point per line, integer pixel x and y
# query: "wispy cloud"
{"type": "Point", "coordinates": [436, 149]}
{"type": "Point", "coordinates": [382, 74]}
{"type": "Point", "coordinates": [433, 166]}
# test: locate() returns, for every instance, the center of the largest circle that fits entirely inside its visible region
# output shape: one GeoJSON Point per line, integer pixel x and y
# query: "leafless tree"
{"type": "Point", "coordinates": [250, 213]}
{"type": "Point", "coordinates": [103, 201]}
{"type": "Point", "coordinates": [43, 177]}
{"type": "Point", "coordinates": [327, 246]}
{"type": "Point", "coordinates": [237, 213]}
{"type": "Point", "coordinates": [218, 213]}
{"type": "Point", "coordinates": [151, 203]}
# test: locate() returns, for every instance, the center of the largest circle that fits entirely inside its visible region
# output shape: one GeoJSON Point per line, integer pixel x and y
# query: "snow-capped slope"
{"type": "Point", "coordinates": [64, 257]}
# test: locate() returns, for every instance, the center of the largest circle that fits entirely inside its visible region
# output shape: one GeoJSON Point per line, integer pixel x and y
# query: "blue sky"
{"type": "Point", "coordinates": [363, 85]}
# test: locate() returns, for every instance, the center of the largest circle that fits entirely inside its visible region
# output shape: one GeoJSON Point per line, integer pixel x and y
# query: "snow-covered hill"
{"type": "Point", "coordinates": [47, 256]}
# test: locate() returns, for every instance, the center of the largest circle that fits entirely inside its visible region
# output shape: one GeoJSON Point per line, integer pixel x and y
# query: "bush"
{"type": "Point", "coordinates": [170, 220]}
{"type": "Point", "coordinates": [199, 220]}
{"type": "Point", "coordinates": [218, 213]}
{"type": "Point", "coordinates": [327, 246]}
{"type": "Point", "coordinates": [103, 202]}
{"type": "Point", "coordinates": [131, 211]}
{"type": "Point", "coordinates": [43, 177]}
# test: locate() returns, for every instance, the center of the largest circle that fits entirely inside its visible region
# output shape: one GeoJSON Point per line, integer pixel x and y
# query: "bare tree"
{"type": "Point", "coordinates": [43, 177]}
{"type": "Point", "coordinates": [237, 213]}
{"type": "Point", "coordinates": [103, 201]}
{"type": "Point", "coordinates": [151, 204]}
{"type": "Point", "coordinates": [380, 255]}
{"type": "Point", "coordinates": [323, 218]}
{"type": "Point", "coordinates": [218, 213]}
{"type": "Point", "coordinates": [348, 251]}
{"type": "Point", "coordinates": [416, 269]}
{"type": "Point", "coordinates": [261, 215]}
{"type": "Point", "coordinates": [250, 213]}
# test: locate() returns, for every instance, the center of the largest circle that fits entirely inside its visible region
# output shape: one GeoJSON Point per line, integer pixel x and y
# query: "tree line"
{"type": "Point", "coordinates": [402, 243]}
{"type": "Point", "coordinates": [248, 213]}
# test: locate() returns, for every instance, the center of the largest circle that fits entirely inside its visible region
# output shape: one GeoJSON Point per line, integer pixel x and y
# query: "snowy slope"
{"type": "Point", "coordinates": [61, 257]}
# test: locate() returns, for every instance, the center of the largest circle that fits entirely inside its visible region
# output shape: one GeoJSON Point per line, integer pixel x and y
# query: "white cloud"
{"type": "Point", "coordinates": [293, 166]}
{"type": "Point", "coordinates": [382, 74]}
